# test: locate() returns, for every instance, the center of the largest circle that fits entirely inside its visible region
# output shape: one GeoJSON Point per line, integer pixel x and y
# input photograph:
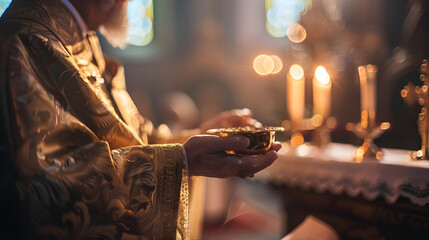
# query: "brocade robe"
{"type": "Point", "coordinates": [76, 162]}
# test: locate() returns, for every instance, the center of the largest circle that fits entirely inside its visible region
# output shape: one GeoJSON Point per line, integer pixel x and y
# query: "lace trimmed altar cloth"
{"type": "Point", "coordinates": [333, 170]}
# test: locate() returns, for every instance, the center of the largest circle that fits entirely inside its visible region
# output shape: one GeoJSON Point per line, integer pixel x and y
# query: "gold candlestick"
{"type": "Point", "coordinates": [320, 127]}
{"type": "Point", "coordinates": [368, 130]}
{"type": "Point", "coordinates": [411, 93]}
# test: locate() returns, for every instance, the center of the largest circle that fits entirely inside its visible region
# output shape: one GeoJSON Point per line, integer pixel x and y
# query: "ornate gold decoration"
{"type": "Point", "coordinates": [260, 139]}
{"type": "Point", "coordinates": [368, 130]}
{"type": "Point", "coordinates": [80, 149]}
{"type": "Point", "coordinates": [412, 93]}
{"type": "Point", "coordinates": [321, 130]}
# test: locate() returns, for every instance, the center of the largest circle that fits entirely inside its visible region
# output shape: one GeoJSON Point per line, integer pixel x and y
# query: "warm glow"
{"type": "Point", "coordinates": [317, 120]}
{"type": "Point", "coordinates": [371, 68]}
{"type": "Point", "coordinates": [268, 64]}
{"type": "Point", "coordinates": [419, 154]}
{"type": "Point", "coordinates": [296, 33]}
{"type": "Point", "coordinates": [379, 155]}
{"type": "Point", "coordinates": [322, 75]}
{"type": "Point", "coordinates": [385, 126]}
{"type": "Point", "coordinates": [296, 72]}
{"type": "Point", "coordinates": [263, 64]}
{"type": "Point", "coordinates": [278, 64]}
{"type": "Point", "coordinates": [302, 150]}
{"type": "Point", "coordinates": [296, 139]}
{"type": "Point", "coordinates": [359, 154]}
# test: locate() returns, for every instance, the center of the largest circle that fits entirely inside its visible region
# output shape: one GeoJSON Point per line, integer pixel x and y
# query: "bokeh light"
{"type": "Point", "coordinates": [265, 65]}
{"type": "Point", "coordinates": [278, 64]}
{"type": "Point", "coordinates": [140, 16]}
{"type": "Point", "coordinates": [303, 150]}
{"type": "Point", "coordinates": [280, 14]}
{"type": "Point", "coordinates": [282, 17]}
{"type": "Point", "coordinates": [322, 75]}
{"type": "Point", "coordinates": [296, 33]}
{"type": "Point", "coordinates": [296, 71]}
{"type": "Point", "coordinates": [296, 139]}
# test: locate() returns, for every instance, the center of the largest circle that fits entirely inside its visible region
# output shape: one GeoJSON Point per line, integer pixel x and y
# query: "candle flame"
{"type": "Point", "coordinates": [372, 68]}
{"type": "Point", "coordinates": [322, 75]}
{"type": "Point", "coordinates": [296, 72]}
{"type": "Point", "coordinates": [362, 73]}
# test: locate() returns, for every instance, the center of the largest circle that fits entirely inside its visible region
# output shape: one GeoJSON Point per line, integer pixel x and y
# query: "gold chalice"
{"type": "Point", "coordinates": [260, 139]}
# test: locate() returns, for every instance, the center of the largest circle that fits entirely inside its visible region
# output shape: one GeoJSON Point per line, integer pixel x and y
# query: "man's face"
{"type": "Point", "coordinates": [116, 27]}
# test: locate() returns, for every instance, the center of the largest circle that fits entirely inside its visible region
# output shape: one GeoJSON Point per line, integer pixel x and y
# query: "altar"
{"type": "Point", "coordinates": [375, 199]}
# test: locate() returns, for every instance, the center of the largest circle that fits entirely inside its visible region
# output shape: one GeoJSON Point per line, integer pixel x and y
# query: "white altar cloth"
{"type": "Point", "coordinates": [334, 170]}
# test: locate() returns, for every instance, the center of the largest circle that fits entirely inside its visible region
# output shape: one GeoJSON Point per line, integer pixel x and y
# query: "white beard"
{"type": "Point", "coordinates": [116, 28]}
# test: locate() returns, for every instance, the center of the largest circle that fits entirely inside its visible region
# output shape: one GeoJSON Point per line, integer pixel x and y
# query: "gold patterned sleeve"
{"type": "Point", "coordinates": [114, 74]}
{"type": "Point", "coordinates": [153, 176]}
{"type": "Point", "coordinates": [66, 181]}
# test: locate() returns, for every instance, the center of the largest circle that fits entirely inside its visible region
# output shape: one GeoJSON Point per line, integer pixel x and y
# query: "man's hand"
{"type": "Point", "coordinates": [207, 157]}
{"type": "Point", "coordinates": [232, 118]}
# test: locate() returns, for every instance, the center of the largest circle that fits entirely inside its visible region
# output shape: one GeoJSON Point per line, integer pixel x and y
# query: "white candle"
{"type": "Point", "coordinates": [367, 77]}
{"type": "Point", "coordinates": [372, 86]}
{"type": "Point", "coordinates": [296, 94]}
{"type": "Point", "coordinates": [363, 79]}
{"type": "Point", "coordinates": [321, 92]}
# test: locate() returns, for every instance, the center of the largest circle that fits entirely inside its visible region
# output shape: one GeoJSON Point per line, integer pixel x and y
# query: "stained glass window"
{"type": "Point", "coordinates": [280, 14]}
{"type": "Point", "coordinates": [3, 5]}
{"type": "Point", "coordinates": [140, 16]}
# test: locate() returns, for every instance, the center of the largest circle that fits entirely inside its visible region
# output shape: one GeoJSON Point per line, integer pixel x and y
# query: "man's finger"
{"type": "Point", "coordinates": [276, 146]}
{"type": "Point", "coordinates": [242, 112]}
{"type": "Point", "coordinates": [254, 163]}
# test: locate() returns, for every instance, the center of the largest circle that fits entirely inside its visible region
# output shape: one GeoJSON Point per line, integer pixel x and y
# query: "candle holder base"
{"type": "Point", "coordinates": [322, 130]}
{"type": "Point", "coordinates": [368, 151]}
{"type": "Point", "coordinates": [418, 155]}
{"type": "Point", "coordinates": [321, 136]}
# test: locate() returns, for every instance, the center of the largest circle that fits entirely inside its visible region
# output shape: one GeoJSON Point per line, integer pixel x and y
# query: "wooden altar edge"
{"type": "Point", "coordinates": [356, 217]}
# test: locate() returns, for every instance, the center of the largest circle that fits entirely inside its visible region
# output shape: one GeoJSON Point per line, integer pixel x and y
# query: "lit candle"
{"type": "Point", "coordinates": [363, 88]}
{"type": "Point", "coordinates": [367, 77]}
{"type": "Point", "coordinates": [296, 94]}
{"type": "Point", "coordinates": [321, 92]}
{"type": "Point", "coordinates": [372, 78]}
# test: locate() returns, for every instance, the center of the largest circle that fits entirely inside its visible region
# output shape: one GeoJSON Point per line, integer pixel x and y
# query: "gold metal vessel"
{"type": "Point", "coordinates": [260, 139]}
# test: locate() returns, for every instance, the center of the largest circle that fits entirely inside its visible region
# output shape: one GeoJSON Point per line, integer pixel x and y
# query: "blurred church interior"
{"type": "Point", "coordinates": [201, 61]}
{"type": "Point", "coordinates": [191, 59]}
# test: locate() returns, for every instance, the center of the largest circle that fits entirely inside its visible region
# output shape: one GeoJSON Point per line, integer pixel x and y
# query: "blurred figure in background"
{"type": "Point", "coordinates": [180, 112]}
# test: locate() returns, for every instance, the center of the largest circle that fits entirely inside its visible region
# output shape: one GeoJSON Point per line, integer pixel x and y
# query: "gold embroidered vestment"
{"type": "Point", "coordinates": [76, 159]}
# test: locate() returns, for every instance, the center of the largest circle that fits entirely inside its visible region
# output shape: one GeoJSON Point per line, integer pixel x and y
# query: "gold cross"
{"type": "Point", "coordinates": [412, 93]}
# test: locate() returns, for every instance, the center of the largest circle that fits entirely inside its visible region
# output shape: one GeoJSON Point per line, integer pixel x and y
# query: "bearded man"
{"type": "Point", "coordinates": [78, 160]}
